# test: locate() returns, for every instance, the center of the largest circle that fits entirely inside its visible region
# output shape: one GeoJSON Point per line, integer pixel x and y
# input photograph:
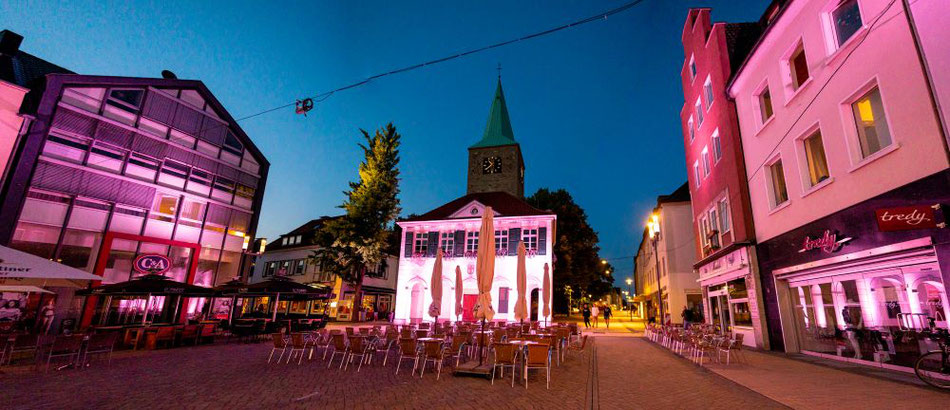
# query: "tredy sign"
{"type": "Point", "coordinates": [908, 217]}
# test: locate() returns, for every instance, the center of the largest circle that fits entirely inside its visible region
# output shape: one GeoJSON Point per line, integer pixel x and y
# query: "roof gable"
{"type": "Point", "coordinates": [502, 203]}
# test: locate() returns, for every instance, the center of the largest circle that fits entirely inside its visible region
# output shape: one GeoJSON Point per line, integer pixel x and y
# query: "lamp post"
{"type": "Point", "coordinates": [653, 224]}
{"type": "Point", "coordinates": [629, 306]}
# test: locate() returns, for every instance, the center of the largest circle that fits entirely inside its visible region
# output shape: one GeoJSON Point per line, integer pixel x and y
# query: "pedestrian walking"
{"type": "Point", "coordinates": [607, 314]}
{"type": "Point", "coordinates": [586, 313]}
{"type": "Point", "coordinates": [687, 315]}
{"type": "Point", "coordinates": [595, 312]}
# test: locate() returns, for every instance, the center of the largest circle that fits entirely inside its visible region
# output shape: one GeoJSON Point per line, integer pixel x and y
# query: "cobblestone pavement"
{"type": "Point", "coordinates": [628, 373]}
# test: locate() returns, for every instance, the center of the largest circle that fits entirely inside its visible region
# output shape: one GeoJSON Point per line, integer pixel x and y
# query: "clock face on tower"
{"type": "Point", "coordinates": [491, 165]}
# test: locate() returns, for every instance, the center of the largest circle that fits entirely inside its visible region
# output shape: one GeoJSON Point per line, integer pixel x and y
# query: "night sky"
{"type": "Point", "coordinates": [595, 108]}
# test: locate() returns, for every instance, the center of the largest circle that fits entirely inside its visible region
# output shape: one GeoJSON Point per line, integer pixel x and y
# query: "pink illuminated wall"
{"type": "Point", "coordinates": [881, 57]}
{"type": "Point", "coordinates": [11, 96]}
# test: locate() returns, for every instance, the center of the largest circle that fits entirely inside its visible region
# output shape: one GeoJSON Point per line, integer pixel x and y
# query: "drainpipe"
{"type": "Point", "coordinates": [925, 68]}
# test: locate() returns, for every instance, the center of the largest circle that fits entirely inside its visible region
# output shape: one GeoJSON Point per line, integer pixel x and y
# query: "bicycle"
{"type": "Point", "coordinates": [933, 367]}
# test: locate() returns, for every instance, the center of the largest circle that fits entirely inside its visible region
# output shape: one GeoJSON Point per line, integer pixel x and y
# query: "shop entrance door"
{"type": "Point", "coordinates": [468, 306]}
{"type": "Point", "coordinates": [719, 308]}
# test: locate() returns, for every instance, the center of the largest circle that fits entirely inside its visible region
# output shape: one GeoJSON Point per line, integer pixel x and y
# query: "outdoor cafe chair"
{"type": "Point", "coordinates": [456, 349]}
{"type": "Point", "coordinates": [731, 345]}
{"type": "Point", "coordinates": [166, 335]}
{"type": "Point", "coordinates": [364, 331]}
{"type": "Point", "coordinates": [387, 346]}
{"type": "Point", "coordinates": [340, 347]}
{"type": "Point", "coordinates": [279, 344]}
{"type": "Point", "coordinates": [358, 347]}
{"type": "Point", "coordinates": [65, 346]}
{"type": "Point", "coordinates": [408, 349]}
{"type": "Point", "coordinates": [498, 335]}
{"type": "Point", "coordinates": [23, 343]}
{"type": "Point", "coordinates": [506, 355]}
{"type": "Point", "coordinates": [321, 340]}
{"type": "Point", "coordinates": [298, 345]}
{"type": "Point", "coordinates": [207, 332]}
{"type": "Point", "coordinates": [100, 344]}
{"type": "Point", "coordinates": [189, 332]}
{"type": "Point", "coordinates": [405, 332]}
{"type": "Point", "coordinates": [433, 352]}
{"type": "Point", "coordinates": [421, 333]}
{"type": "Point", "coordinates": [538, 357]}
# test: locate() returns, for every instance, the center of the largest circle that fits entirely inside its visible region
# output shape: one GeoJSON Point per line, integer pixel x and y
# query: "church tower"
{"type": "Point", "coordinates": [495, 163]}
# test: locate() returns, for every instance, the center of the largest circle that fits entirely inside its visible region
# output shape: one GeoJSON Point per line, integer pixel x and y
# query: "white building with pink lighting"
{"type": "Point", "coordinates": [496, 180]}
{"type": "Point", "coordinates": [846, 157]}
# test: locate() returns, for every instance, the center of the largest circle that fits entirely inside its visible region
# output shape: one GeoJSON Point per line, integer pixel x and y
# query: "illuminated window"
{"type": "Point", "coordinates": [873, 133]}
{"type": "Point", "coordinates": [777, 183]}
{"type": "Point", "coordinates": [847, 20]}
{"type": "Point", "coordinates": [815, 157]}
{"type": "Point", "coordinates": [165, 204]}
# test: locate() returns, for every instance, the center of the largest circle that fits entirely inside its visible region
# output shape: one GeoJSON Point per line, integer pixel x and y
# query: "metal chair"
{"type": "Point", "coordinates": [433, 352]}
{"type": "Point", "coordinates": [408, 349]}
{"type": "Point", "coordinates": [456, 349]}
{"type": "Point", "coordinates": [340, 347]}
{"type": "Point", "coordinates": [358, 347]}
{"type": "Point", "coordinates": [65, 346]}
{"type": "Point", "coordinates": [538, 357]}
{"type": "Point", "coordinates": [298, 344]}
{"type": "Point", "coordinates": [279, 344]}
{"type": "Point", "coordinates": [100, 344]}
{"type": "Point", "coordinates": [506, 355]}
{"type": "Point", "coordinates": [24, 343]}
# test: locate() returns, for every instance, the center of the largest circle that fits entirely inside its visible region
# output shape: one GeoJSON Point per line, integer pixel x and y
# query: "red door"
{"type": "Point", "coordinates": [468, 307]}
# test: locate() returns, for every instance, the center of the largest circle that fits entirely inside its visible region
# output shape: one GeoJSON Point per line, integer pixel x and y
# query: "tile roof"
{"type": "Point", "coordinates": [24, 69]}
{"type": "Point", "coordinates": [681, 194]}
{"type": "Point", "coordinates": [503, 203]}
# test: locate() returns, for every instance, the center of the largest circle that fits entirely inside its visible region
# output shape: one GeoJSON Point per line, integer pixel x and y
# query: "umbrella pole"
{"type": "Point", "coordinates": [177, 306]}
{"type": "Point", "coordinates": [276, 302]}
{"type": "Point", "coordinates": [105, 310]}
{"type": "Point", "coordinates": [231, 311]}
{"type": "Point", "coordinates": [481, 344]}
{"type": "Point", "coordinates": [145, 312]}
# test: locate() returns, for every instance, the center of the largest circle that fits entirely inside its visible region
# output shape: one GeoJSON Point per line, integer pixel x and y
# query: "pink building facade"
{"type": "Point", "coordinates": [847, 167]}
{"type": "Point", "coordinates": [722, 216]}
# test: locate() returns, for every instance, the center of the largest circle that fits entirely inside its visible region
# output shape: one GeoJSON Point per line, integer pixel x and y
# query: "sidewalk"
{"type": "Point", "coordinates": [800, 384]}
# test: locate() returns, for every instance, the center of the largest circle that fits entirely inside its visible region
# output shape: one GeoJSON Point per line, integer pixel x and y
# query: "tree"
{"type": "Point", "coordinates": [362, 237]}
{"type": "Point", "coordinates": [577, 260]}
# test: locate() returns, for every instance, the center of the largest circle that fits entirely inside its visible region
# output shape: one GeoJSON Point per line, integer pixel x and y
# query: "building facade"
{"type": "Point", "coordinates": [847, 169]}
{"type": "Point", "coordinates": [496, 180]}
{"type": "Point", "coordinates": [664, 263]}
{"type": "Point", "coordinates": [112, 168]}
{"type": "Point", "coordinates": [290, 256]}
{"type": "Point", "coordinates": [719, 194]}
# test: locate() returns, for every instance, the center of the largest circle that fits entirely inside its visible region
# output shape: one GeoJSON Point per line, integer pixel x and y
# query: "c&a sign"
{"type": "Point", "coordinates": [152, 263]}
{"type": "Point", "coordinates": [908, 217]}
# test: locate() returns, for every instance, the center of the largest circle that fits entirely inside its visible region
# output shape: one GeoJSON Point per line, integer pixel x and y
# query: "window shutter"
{"type": "Point", "coordinates": [459, 243]}
{"type": "Point", "coordinates": [542, 241]}
{"type": "Point", "coordinates": [408, 252]}
{"type": "Point", "coordinates": [433, 244]}
{"type": "Point", "coordinates": [514, 236]}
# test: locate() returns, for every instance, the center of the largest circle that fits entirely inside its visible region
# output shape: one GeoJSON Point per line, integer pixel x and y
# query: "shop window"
{"type": "Point", "coordinates": [778, 191]}
{"type": "Point", "coordinates": [471, 242]}
{"type": "Point", "coordinates": [873, 132]}
{"type": "Point", "coordinates": [420, 244]}
{"type": "Point", "coordinates": [737, 289]}
{"type": "Point", "coordinates": [846, 19]}
{"type": "Point", "coordinates": [815, 158]}
{"type": "Point", "coordinates": [741, 316]}
{"type": "Point", "coordinates": [501, 239]}
{"type": "Point", "coordinates": [530, 239]}
{"type": "Point", "coordinates": [447, 243]}
{"type": "Point", "coordinates": [35, 239]}
{"type": "Point", "coordinates": [932, 303]}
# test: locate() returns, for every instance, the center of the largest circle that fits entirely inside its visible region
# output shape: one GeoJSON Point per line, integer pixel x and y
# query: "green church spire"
{"type": "Point", "coordinates": [498, 131]}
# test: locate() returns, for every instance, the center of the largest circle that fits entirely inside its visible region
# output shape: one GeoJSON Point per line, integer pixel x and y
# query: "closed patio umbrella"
{"type": "Point", "coordinates": [521, 304]}
{"type": "Point", "coordinates": [546, 293]}
{"type": "Point", "coordinates": [458, 292]}
{"type": "Point", "coordinates": [485, 265]}
{"type": "Point", "coordinates": [435, 287]}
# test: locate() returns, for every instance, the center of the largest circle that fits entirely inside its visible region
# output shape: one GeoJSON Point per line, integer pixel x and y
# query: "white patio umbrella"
{"type": "Point", "coordinates": [23, 269]}
{"type": "Point", "coordinates": [521, 304]}
{"type": "Point", "coordinates": [435, 287]}
{"type": "Point", "coordinates": [458, 292]}
{"type": "Point", "coordinates": [546, 293]}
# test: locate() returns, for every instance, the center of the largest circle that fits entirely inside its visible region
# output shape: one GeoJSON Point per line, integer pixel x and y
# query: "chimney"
{"type": "Point", "coordinates": [9, 42]}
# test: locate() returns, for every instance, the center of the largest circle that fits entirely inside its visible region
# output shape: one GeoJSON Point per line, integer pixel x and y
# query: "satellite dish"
{"type": "Point", "coordinates": [168, 75]}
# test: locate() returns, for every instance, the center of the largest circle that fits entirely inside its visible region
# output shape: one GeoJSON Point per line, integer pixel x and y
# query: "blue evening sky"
{"type": "Point", "coordinates": [595, 108]}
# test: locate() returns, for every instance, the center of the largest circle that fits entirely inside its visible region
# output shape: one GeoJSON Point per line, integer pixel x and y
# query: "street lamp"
{"type": "Point", "coordinates": [603, 261]}
{"type": "Point", "coordinates": [627, 292]}
{"type": "Point", "coordinates": [653, 224]}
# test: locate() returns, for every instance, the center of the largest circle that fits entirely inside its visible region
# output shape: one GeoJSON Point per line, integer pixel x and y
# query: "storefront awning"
{"type": "Point", "coordinates": [23, 269]}
{"type": "Point", "coordinates": [22, 289]}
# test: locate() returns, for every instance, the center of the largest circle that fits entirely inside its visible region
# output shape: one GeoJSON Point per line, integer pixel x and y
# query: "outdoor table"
{"type": "Point", "coordinates": [431, 339]}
